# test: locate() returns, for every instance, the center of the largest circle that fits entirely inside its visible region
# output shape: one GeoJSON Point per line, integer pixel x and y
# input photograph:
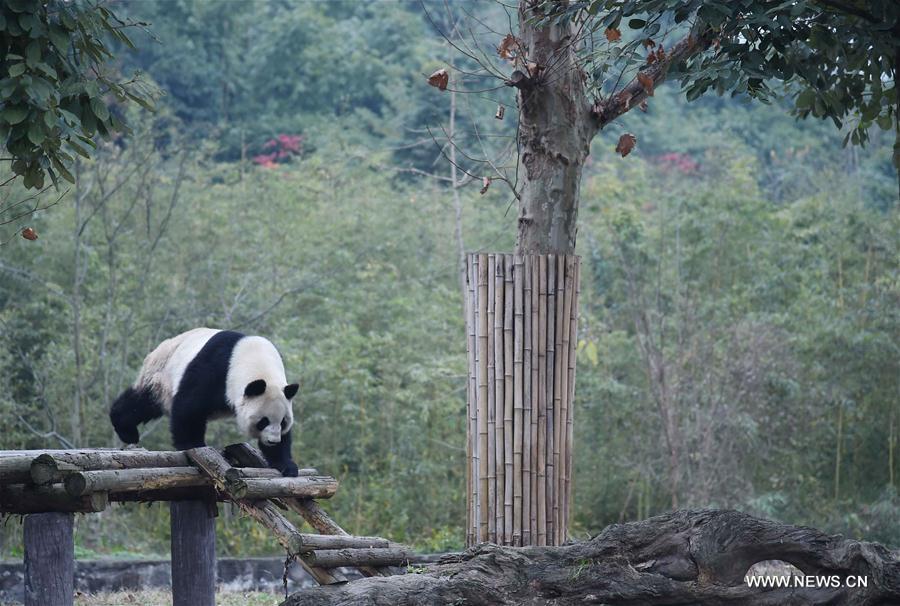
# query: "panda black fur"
{"type": "Point", "coordinates": [204, 374]}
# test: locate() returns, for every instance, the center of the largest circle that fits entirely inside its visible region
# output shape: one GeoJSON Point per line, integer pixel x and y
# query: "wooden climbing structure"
{"type": "Point", "coordinates": [49, 486]}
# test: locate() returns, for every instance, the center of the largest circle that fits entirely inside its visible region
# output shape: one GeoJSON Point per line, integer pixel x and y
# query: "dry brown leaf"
{"type": "Point", "coordinates": [485, 184]}
{"type": "Point", "coordinates": [626, 143]}
{"type": "Point", "coordinates": [646, 81]}
{"type": "Point", "coordinates": [660, 53]}
{"type": "Point", "coordinates": [648, 43]}
{"type": "Point", "coordinates": [439, 79]}
{"type": "Point", "coordinates": [29, 234]}
{"type": "Point", "coordinates": [501, 110]}
{"type": "Point", "coordinates": [509, 48]}
{"type": "Point", "coordinates": [533, 68]}
{"type": "Point", "coordinates": [613, 34]}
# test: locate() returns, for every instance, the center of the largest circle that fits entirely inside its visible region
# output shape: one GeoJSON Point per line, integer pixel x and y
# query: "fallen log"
{"type": "Point", "coordinates": [696, 558]}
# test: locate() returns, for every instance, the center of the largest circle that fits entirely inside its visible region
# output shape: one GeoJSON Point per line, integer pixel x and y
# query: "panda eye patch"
{"type": "Point", "coordinates": [284, 423]}
{"type": "Point", "coordinates": [262, 423]}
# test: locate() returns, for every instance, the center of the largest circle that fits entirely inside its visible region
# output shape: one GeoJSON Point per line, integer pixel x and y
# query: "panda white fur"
{"type": "Point", "coordinates": [204, 374]}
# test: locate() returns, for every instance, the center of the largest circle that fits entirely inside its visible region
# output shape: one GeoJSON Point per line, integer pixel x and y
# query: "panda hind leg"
{"type": "Point", "coordinates": [130, 409]}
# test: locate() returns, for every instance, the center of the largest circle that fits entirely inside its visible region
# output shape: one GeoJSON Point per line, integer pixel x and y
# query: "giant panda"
{"type": "Point", "coordinates": [205, 374]}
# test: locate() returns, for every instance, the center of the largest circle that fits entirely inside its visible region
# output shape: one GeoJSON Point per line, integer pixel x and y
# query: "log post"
{"type": "Point", "coordinates": [193, 554]}
{"type": "Point", "coordinates": [49, 559]}
{"type": "Point", "coordinates": [521, 329]}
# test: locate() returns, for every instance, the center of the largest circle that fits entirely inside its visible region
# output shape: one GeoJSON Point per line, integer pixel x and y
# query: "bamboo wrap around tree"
{"type": "Point", "coordinates": [521, 326]}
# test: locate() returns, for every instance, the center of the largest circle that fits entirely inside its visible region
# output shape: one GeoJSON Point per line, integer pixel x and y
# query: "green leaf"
{"type": "Point", "coordinates": [59, 37]}
{"type": "Point", "coordinates": [636, 23]}
{"type": "Point", "coordinates": [16, 70]}
{"type": "Point", "coordinates": [100, 110]}
{"type": "Point", "coordinates": [33, 53]}
{"type": "Point", "coordinates": [14, 114]}
{"type": "Point", "coordinates": [36, 133]}
{"type": "Point", "coordinates": [61, 169]}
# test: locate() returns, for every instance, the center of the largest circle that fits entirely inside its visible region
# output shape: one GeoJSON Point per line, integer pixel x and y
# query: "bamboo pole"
{"type": "Point", "coordinates": [483, 389]}
{"type": "Point", "coordinates": [492, 398]}
{"type": "Point", "coordinates": [471, 401]}
{"type": "Point", "coordinates": [566, 270]}
{"type": "Point", "coordinates": [518, 409]}
{"type": "Point", "coordinates": [527, 469]}
{"type": "Point", "coordinates": [499, 398]}
{"type": "Point", "coordinates": [570, 423]}
{"type": "Point", "coordinates": [551, 398]}
{"type": "Point", "coordinates": [508, 400]}
{"type": "Point", "coordinates": [558, 429]}
{"type": "Point", "coordinates": [542, 404]}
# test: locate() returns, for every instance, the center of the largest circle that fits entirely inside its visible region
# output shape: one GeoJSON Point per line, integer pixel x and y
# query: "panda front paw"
{"type": "Point", "coordinates": [289, 470]}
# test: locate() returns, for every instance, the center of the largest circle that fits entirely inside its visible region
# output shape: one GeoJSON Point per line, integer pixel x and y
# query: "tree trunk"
{"type": "Point", "coordinates": [681, 558]}
{"type": "Point", "coordinates": [555, 131]}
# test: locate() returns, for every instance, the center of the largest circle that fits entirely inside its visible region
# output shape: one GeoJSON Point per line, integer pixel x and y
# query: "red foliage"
{"type": "Point", "coordinates": [283, 147]}
{"type": "Point", "coordinates": [677, 161]}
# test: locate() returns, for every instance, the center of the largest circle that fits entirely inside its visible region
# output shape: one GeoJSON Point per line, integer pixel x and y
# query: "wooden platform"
{"type": "Point", "coordinates": [48, 486]}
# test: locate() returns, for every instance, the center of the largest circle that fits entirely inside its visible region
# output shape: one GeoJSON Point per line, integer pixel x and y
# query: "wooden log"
{"type": "Point", "coordinates": [311, 542]}
{"type": "Point", "coordinates": [126, 480]}
{"type": "Point", "coordinates": [392, 556]}
{"type": "Point", "coordinates": [15, 469]}
{"type": "Point", "coordinates": [508, 397]}
{"type": "Point", "coordinates": [20, 499]}
{"type": "Point", "coordinates": [236, 473]}
{"type": "Point", "coordinates": [518, 407]}
{"type": "Point", "coordinates": [46, 464]}
{"type": "Point", "coordinates": [481, 359]}
{"type": "Point", "coordinates": [49, 559]}
{"type": "Point", "coordinates": [542, 404]}
{"type": "Point", "coordinates": [527, 469]}
{"type": "Point", "coordinates": [193, 554]}
{"type": "Point", "coordinates": [249, 456]}
{"type": "Point", "coordinates": [311, 487]}
{"type": "Point", "coordinates": [263, 511]}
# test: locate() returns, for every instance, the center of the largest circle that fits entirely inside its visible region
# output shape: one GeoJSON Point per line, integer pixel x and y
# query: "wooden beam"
{"type": "Point", "coordinates": [21, 499]}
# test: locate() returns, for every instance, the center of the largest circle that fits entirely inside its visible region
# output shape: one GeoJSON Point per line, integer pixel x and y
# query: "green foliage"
{"type": "Point", "coordinates": [838, 60]}
{"type": "Point", "coordinates": [55, 84]}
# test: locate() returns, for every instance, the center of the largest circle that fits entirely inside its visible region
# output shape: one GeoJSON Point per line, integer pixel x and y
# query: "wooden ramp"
{"type": "Point", "coordinates": [49, 485]}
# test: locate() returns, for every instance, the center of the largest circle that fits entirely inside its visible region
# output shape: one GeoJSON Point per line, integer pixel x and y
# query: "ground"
{"type": "Point", "coordinates": [164, 598]}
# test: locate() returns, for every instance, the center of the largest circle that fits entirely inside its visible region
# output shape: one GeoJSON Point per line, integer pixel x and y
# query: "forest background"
{"type": "Point", "coordinates": [293, 183]}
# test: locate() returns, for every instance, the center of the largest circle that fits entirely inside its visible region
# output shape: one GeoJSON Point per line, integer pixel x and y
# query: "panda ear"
{"type": "Point", "coordinates": [291, 390]}
{"type": "Point", "coordinates": [255, 388]}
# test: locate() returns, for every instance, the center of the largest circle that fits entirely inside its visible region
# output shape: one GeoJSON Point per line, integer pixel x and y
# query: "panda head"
{"type": "Point", "coordinates": [266, 413]}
